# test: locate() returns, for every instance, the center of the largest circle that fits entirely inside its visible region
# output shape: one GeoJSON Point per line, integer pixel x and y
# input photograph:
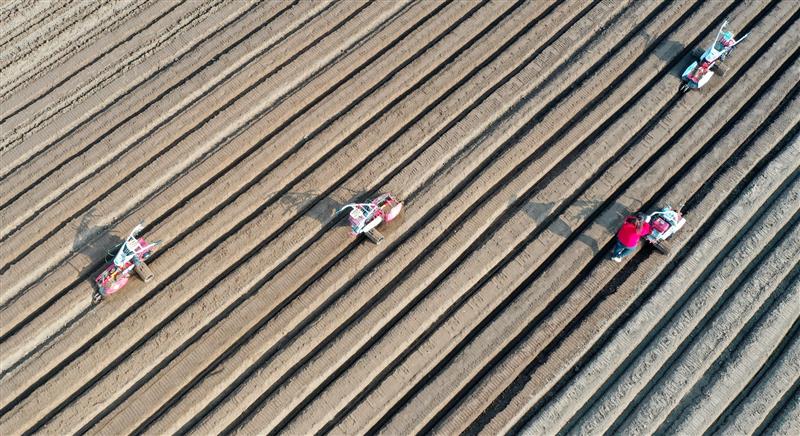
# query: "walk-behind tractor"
{"type": "Point", "coordinates": [365, 217]}
{"type": "Point", "coordinates": [663, 224]}
{"type": "Point", "coordinates": [708, 63]}
{"type": "Point", "coordinates": [130, 257]}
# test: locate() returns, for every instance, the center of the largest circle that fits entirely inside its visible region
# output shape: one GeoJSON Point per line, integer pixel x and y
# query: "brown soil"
{"type": "Point", "coordinates": [518, 135]}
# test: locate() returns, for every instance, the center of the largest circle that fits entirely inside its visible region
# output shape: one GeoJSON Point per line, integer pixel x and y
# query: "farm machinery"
{"type": "Point", "coordinates": [366, 217]}
{"type": "Point", "coordinates": [130, 257]}
{"type": "Point", "coordinates": [663, 224]}
{"type": "Point", "coordinates": [702, 70]}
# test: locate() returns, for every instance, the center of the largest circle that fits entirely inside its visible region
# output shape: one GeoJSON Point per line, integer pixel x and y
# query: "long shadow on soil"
{"type": "Point", "coordinates": [538, 212]}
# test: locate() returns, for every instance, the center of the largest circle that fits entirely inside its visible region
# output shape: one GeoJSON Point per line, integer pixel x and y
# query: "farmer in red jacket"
{"type": "Point", "coordinates": [634, 228]}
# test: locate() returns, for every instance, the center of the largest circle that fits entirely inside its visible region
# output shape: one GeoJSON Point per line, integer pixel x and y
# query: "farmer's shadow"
{"type": "Point", "coordinates": [324, 211]}
{"type": "Point", "coordinates": [667, 51]}
{"type": "Point", "coordinates": [539, 212]}
{"type": "Point", "coordinates": [94, 243]}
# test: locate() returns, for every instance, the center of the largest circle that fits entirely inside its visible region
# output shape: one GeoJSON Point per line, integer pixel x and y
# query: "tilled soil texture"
{"type": "Point", "coordinates": [518, 134]}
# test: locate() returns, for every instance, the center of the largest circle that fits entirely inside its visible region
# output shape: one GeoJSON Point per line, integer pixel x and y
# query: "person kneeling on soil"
{"type": "Point", "coordinates": [634, 228]}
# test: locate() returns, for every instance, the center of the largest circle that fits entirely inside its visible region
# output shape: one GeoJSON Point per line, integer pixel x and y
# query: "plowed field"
{"type": "Point", "coordinates": [519, 134]}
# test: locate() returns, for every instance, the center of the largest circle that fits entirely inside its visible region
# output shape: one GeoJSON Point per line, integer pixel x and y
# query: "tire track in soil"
{"type": "Point", "coordinates": [527, 345]}
{"type": "Point", "coordinates": [393, 426]}
{"type": "Point", "coordinates": [49, 122]}
{"type": "Point", "coordinates": [358, 22]}
{"type": "Point", "coordinates": [232, 179]}
{"type": "Point", "coordinates": [100, 51]}
{"type": "Point", "coordinates": [625, 292]}
{"type": "Point", "coordinates": [773, 382]}
{"type": "Point", "coordinates": [754, 346]}
{"type": "Point", "coordinates": [712, 336]}
{"type": "Point", "coordinates": [53, 171]}
{"type": "Point", "coordinates": [216, 124]}
{"type": "Point", "coordinates": [437, 225]}
{"type": "Point", "coordinates": [348, 194]}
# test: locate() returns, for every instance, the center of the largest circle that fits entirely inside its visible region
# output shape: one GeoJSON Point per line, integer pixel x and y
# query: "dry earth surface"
{"type": "Point", "coordinates": [518, 134]}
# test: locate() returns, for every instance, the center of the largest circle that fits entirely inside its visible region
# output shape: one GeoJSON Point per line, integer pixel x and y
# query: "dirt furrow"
{"type": "Point", "coordinates": [248, 243]}
{"type": "Point", "coordinates": [109, 19]}
{"type": "Point", "coordinates": [462, 286]}
{"type": "Point", "coordinates": [138, 70]}
{"type": "Point", "coordinates": [777, 382]}
{"type": "Point", "coordinates": [618, 396]}
{"type": "Point", "coordinates": [61, 20]}
{"type": "Point", "coordinates": [339, 278]}
{"type": "Point", "coordinates": [91, 240]}
{"type": "Point", "coordinates": [362, 336]}
{"type": "Point", "coordinates": [201, 130]}
{"type": "Point", "coordinates": [714, 335]}
{"type": "Point", "coordinates": [516, 320]}
{"type": "Point", "coordinates": [473, 307]}
{"type": "Point", "coordinates": [50, 48]}
{"type": "Point", "coordinates": [86, 61]}
{"type": "Point", "coordinates": [735, 368]}
{"type": "Point", "coordinates": [344, 194]}
{"type": "Point", "coordinates": [50, 121]}
{"type": "Point", "coordinates": [559, 363]}
{"type": "Point", "coordinates": [48, 131]}
{"type": "Point", "coordinates": [362, 23]}
{"type": "Point", "coordinates": [787, 420]}
{"type": "Point", "coordinates": [88, 126]}
{"type": "Point", "coordinates": [408, 183]}
{"type": "Point", "coordinates": [19, 17]}
{"type": "Point", "coordinates": [256, 165]}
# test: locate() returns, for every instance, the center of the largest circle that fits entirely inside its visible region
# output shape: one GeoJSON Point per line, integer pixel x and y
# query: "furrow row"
{"type": "Point", "coordinates": [223, 223]}
{"type": "Point", "coordinates": [622, 340]}
{"type": "Point", "coordinates": [49, 131]}
{"type": "Point", "coordinates": [769, 388]}
{"type": "Point", "coordinates": [710, 337]}
{"type": "Point", "coordinates": [51, 49]}
{"type": "Point", "coordinates": [560, 360]}
{"type": "Point", "coordinates": [83, 61]}
{"type": "Point", "coordinates": [166, 153]}
{"type": "Point", "coordinates": [332, 240]}
{"type": "Point", "coordinates": [536, 337]}
{"type": "Point", "coordinates": [471, 312]}
{"type": "Point", "coordinates": [363, 23]}
{"type": "Point", "coordinates": [89, 140]}
{"type": "Point", "coordinates": [233, 245]}
{"type": "Point", "coordinates": [732, 371]}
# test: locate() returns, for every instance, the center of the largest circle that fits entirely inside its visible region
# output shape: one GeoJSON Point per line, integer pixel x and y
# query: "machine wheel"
{"type": "Point", "coordinates": [662, 247]}
{"type": "Point", "coordinates": [97, 298]}
{"type": "Point", "coordinates": [697, 52]}
{"type": "Point", "coordinates": [684, 88]}
{"type": "Point", "coordinates": [144, 271]}
{"type": "Point", "coordinates": [719, 70]}
{"type": "Point", "coordinates": [374, 236]}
